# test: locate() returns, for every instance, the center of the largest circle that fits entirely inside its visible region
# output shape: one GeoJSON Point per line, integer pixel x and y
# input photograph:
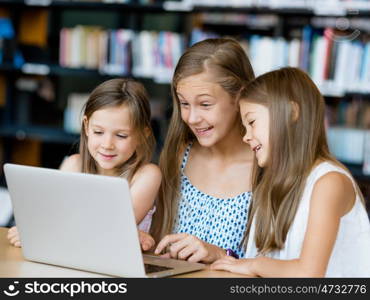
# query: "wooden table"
{"type": "Point", "coordinates": [12, 264]}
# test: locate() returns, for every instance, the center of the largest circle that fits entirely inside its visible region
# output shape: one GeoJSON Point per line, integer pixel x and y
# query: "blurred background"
{"type": "Point", "coordinates": [53, 53]}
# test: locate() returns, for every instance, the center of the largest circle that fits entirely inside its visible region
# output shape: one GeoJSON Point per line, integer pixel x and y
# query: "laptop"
{"type": "Point", "coordinates": [82, 221]}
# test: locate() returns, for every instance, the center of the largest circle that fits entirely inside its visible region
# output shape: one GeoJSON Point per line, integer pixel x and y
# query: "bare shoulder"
{"type": "Point", "coordinates": [151, 170]}
{"type": "Point", "coordinates": [336, 181]}
{"type": "Point", "coordinates": [72, 163]}
{"type": "Point", "coordinates": [148, 171]}
{"type": "Point", "coordinates": [337, 190]}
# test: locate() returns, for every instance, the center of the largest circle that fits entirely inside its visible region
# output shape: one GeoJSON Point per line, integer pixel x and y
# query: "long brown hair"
{"type": "Point", "coordinates": [114, 93]}
{"type": "Point", "coordinates": [297, 140]}
{"type": "Point", "coordinates": [228, 62]}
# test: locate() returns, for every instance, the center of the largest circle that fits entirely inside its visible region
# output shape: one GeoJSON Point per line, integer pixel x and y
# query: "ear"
{"type": "Point", "coordinates": [295, 110]}
{"type": "Point", "coordinates": [85, 121]}
{"type": "Point", "coordinates": [147, 132]}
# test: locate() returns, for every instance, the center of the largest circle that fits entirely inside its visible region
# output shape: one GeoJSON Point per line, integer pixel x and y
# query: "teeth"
{"type": "Point", "coordinates": [257, 148]}
{"type": "Point", "coordinates": [203, 129]}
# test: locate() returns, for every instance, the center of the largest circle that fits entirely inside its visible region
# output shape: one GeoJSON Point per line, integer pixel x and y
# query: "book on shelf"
{"type": "Point", "coordinates": [366, 166]}
{"type": "Point", "coordinates": [119, 54]}
{"type": "Point", "coordinates": [8, 49]}
{"type": "Point", "coordinates": [198, 35]}
{"type": "Point", "coordinates": [33, 28]}
{"type": "Point", "coordinates": [73, 112]}
{"type": "Point", "coordinates": [122, 52]}
{"type": "Point", "coordinates": [336, 65]}
{"type": "Point", "coordinates": [144, 54]}
{"type": "Point", "coordinates": [349, 130]}
{"type": "Point", "coordinates": [347, 144]}
{"type": "Point", "coordinates": [2, 90]}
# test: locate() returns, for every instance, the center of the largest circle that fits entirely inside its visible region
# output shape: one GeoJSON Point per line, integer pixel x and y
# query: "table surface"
{"type": "Point", "coordinates": [12, 264]}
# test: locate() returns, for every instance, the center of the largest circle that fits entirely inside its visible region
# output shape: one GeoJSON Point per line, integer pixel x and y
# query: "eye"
{"type": "Point", "coordinates": [122, 136]}
{"type": "Point", "coordinates": [250, 123]}
{"type": "Point", "coordinates": [206, 104]}
{"type": "Point", "coordinates": [183, 103]}
{"type": "Point", "coordinates": [98, 132]}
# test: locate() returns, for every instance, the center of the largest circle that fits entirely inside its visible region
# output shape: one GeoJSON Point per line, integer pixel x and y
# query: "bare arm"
{"type": "Point", "coordinates": [332, 197]}
{"type": "Point", "coordinates": [144, 189]}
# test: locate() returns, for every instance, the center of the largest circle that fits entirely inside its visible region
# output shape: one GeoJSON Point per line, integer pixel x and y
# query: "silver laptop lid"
{"type": "Point", "coordinates": [48, 205]}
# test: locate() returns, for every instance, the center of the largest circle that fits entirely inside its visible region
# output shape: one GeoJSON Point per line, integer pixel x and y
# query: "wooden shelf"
{"type": "Point", "coordinates": [43, 133]}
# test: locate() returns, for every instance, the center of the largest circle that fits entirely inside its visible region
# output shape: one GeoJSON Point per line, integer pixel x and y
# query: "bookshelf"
{"type": "Point", "coordinates": [270, 21]}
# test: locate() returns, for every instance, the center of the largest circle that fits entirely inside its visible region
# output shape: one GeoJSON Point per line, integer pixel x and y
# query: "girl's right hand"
{"type": "Point", "coordinates": [188, 247]}
{"type": "Point", "coordinates": [13, 237]}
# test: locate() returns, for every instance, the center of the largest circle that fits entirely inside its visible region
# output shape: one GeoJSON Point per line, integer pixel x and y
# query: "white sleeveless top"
{"type": "Point", "coordinates": [351, 253]}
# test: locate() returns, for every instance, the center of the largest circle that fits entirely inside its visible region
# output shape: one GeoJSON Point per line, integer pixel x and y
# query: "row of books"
{"type": "Point", "coordinates": [354, 113]}
{"type": "Point", "coordinates": [350, 145]}
{"type": "Point", "coordinates": [240, 19]}
{"type": "Point", "coordinates": [335, 5]}
{"type": "Point", "coordinates": [73, 112]}
{"type": "Point", "coordinates": [349, 131]}
{"type": "Point", "coordinates": [338, 64]}
{"type": "Point", "coordinates": [145, 54]}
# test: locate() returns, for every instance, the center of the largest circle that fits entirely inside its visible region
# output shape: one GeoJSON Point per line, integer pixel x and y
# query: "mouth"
{"type": "Point", "coordinates": [258, 147]}
{"type": "Point", "coordinates": [107, 156]}
{"type": "Point", "coordinates": [203, 131]}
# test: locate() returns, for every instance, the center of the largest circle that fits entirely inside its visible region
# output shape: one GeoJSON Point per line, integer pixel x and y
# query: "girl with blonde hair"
{"type": "Point", "coordinates": [117, 140]}
{"type": "Point", "coordinates": [308, 217]}
{"type": "Point", "coordinates": [205, 194]}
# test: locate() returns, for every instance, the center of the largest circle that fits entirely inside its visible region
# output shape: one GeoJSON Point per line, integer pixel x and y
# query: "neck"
{"type": "Point", "coordinates": [104, 172]}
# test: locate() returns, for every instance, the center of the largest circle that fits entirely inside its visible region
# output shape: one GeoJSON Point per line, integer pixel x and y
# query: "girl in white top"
{"type": "Point", "coordinates": [308, 217]}
{"type": "Point", "coordinates": [117, 140]}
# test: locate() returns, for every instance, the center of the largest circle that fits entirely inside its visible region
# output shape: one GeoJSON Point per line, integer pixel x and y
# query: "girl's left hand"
{"type": "Point", "coordinates": [13, 237]}
{"type": "Point", "coordinates": [231, 264]}
{"type": "Point", "coordinates": [146, 240]}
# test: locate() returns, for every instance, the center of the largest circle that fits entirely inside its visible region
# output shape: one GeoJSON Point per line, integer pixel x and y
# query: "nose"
{"type": "Point", "coordinates": [194, 116]}
{"type": "Point", "coordinates": [247, 137]}
{"type": "Point", "coordinates": [107, 142]}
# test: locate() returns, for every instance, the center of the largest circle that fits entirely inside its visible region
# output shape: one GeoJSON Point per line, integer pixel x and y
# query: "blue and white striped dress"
{"type": "Point", "coordinates": [217, 221]}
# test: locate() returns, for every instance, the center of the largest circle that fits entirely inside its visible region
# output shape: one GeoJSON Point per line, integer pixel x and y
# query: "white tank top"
{"type": "Point", "coordinates": [351, 253]}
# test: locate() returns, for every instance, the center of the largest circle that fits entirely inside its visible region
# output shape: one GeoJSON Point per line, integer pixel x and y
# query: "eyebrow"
{"type": "Point", "coordinates": [249, 112]}
{"type": "Point", "coordinates": [197, 96]}
{"type": "Point", "coordinates": [119, 129]}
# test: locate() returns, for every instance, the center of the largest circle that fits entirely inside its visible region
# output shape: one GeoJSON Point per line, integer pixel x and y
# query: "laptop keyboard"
{"type": "Point", "coordinates": [153, 268]}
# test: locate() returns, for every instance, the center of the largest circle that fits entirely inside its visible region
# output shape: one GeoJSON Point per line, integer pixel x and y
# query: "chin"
{"type": "Point", "coordinates": [106, 166]}
{"type": "Point", "coordinates": [206, 142]}
{"type": "Point", "coordinates": [261, 164]}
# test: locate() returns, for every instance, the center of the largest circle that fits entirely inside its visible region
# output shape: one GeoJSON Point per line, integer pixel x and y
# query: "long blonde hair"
{"type": "Point", "coordinates": [228, 62]}
{"type": "Point", "coordinates": [297, 140]}
{"type": "Point", "coordinates": [114, 93]}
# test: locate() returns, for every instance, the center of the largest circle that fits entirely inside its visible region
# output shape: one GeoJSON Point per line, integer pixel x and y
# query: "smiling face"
{"type": "Point", "coordinates": [209, 111]}
{"type": "Point", "coordinates": [110, 138]}
{"type": "Point", "coordinates": [256, 120]}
